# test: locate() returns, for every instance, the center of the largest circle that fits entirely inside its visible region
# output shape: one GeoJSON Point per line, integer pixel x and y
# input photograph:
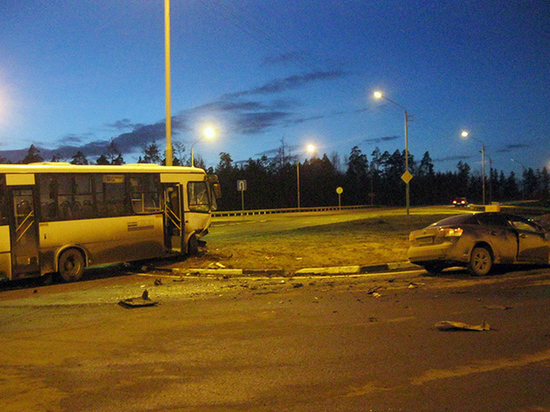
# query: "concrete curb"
{"type": "Point", "coordinates": [350, 270]}
{"type": "Point", "coordinates": [335, 270]}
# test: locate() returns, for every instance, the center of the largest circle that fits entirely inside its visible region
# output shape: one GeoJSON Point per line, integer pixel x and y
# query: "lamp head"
{"type": "Point", "coordinates": [378, 95]}
{"type": "Point", "coordinates": [209, 132]}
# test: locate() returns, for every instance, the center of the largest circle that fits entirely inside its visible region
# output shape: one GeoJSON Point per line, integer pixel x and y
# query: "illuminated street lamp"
{"type": "Point", "coordinates": [466, 135]}
{"type": "Point", "coordinates": [209, 133]}
{"type": "Point", "coordinates": [407, 175]}
{"type": "Point", "coordinates": [167, 76]}
{"type": "Point", "coordinates": [310, 148]}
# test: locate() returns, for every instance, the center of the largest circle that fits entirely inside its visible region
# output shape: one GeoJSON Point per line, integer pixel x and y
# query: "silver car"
{"type": "Point", "coordinates": [479, 241]}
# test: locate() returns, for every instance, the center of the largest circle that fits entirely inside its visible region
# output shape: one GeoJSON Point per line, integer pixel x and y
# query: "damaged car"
{"type": "Point", "coordinates": [478, 242]}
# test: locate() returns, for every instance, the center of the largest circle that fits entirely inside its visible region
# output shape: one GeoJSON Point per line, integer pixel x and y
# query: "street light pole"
{"type": "Point", "coordinates": [379, 95]}
{"type": "Point", "coordinates": [483, 171]}
{"type": "Point", "coordinates": [167, 76]}
{"type": "Point", "coordinates": [310, 149]}
{"type": "Point", "coordinates": [465, 134]}
{"type": "Point", "coordinates": [407, 188]}
{"type": "Point", "coordinates": [298, 180]}
{"type": "Point", "coordinates": [208, 133]}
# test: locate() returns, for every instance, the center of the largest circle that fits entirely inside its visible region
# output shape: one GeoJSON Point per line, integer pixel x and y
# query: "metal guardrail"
{"type": "Point", "coordinates": [517, 209]}
{"type": "Point", "coordinates": [474, 207]}
{"type": "Point", "coordinates": [288, 210]}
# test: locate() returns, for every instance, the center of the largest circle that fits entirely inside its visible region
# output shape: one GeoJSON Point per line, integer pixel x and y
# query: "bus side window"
{"type": "Point", "coordinates": [111, 195]}
{"type": "Point", "coordinates": [48, 197]}
{"type": "Point", "coordinates": [82, 206]}
{"type": "Point", "coordinates": [145, 190]}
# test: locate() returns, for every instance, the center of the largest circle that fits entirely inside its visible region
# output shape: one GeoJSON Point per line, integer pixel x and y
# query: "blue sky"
{"type": "Point", "coordinates": [76, 73]}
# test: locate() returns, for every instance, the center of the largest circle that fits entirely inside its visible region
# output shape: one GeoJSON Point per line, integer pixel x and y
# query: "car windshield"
{"type": "Point", "coordinates": [456, 220]}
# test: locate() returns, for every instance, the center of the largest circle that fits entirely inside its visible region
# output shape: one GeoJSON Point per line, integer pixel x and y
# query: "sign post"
{"type": "Point", "coordinates": [241, 187]}
{"type": "Point", "coordinates": [339, 190]}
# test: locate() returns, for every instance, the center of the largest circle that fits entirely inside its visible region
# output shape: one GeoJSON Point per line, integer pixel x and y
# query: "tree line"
{"type": "Point", "coordinates": [272, 183]}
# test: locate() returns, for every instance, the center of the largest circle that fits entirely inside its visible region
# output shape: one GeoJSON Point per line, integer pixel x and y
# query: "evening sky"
{"type": "Point", "coordinates": [75, 74]}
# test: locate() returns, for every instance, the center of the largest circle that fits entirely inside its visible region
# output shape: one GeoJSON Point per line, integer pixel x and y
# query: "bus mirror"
{"type": "Point", "coordinates": [215, 186]}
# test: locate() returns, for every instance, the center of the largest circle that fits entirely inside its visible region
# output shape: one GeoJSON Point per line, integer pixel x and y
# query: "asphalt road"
{"type": "Point", "coordinates": [362, 343]}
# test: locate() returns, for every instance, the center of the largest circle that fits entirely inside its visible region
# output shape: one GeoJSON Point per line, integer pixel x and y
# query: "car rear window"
{"type": "Point", "coordinates": [456, 220]}
{"type": "Point", "coordinates": [492, 219]}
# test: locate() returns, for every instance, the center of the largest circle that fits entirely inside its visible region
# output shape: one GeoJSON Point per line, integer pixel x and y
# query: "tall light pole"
{"type": "Point", "coordinates": [466, 135]}
{"type": "Point", "coordinates": [310, 149]}
{"type": "Point", "coordinates": [522, 178]}
{"type": "Point", "coordinates": [167, 77]}
{"type": "Point", "coordinates": [407, 175]}
{"type": "Point", "coordinates": [209, 133]}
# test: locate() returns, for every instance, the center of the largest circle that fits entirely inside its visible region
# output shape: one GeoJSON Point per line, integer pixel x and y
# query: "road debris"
{"type": "Point", "coordinates": [499, 307]}
{"type": "Point", "coordinates": [216, 265]}
{"type": "Point", "coordinates": [373, 290]}
{"type": "Point", "coordinates": [452, 326]}
{"type": "Point", "coordinates": [140, 302]}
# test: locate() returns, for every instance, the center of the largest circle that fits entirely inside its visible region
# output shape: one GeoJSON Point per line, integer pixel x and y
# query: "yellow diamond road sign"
{"type": "Point", "coordinates": [407, 177]}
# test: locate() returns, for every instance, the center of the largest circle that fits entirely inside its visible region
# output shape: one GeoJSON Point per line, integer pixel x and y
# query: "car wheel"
{"type": "Point", "coordinates": [481, 261]}
{"type": "Point", "coordinates": [71, 265]}
{"type": "Point", "coordinates": [433, 268]}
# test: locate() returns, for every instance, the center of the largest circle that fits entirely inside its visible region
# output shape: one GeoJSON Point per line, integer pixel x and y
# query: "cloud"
{"type": "Point", "coordinates": [381, 139]}
{"type": "Point", "coordinates": [242, 116]}
{"type": "Point", "coordinates": [144, 135]}
{"type": "Point", "coordinates": [273, 152]}
{"type": "Point", "coordinates": [237, 114]}
{"type": "Point", "coordinates": [257, 122]}
{"type": "Point", "coordinates": [282, 58]}
{"type": "Point", "coordinates": [129, 142]}
{"type": "Point", "coordinates": [306, 119]}
{"type": "Point", "coordinates": [123, 124]}
{"type": "Point", "coordinates": [513, 146]}
{"type": "Point", "coordinates": [71, 139]}
{"type": "Point", "coordinates": [451, 158]}
{"type": "Point", "coordinates": [288, 83]}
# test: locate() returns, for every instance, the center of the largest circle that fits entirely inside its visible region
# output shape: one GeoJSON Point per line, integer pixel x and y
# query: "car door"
{"type": "Point", "coordinates": [496, 231]}
{"type": "Point", "coordinates": [533, 245]}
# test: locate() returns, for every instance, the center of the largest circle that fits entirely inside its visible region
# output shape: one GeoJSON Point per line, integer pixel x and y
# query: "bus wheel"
{"type": "Point", "coordinates": [71, 265]}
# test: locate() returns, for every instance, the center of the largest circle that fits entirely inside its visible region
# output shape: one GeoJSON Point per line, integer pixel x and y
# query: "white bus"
{"type": "Point", "coordinates": [58, 217]}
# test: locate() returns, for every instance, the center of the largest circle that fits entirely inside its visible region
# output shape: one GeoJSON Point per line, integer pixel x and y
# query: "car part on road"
{"type": "Point", "coordinates": [450, 326]}
{"type": "Point", "coordinates": [140, 302]}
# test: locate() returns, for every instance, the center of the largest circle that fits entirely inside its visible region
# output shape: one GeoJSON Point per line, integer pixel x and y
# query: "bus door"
{"type": "Point", "coordinates": [24, 233]}
{"type": "Point", "coordinates": [173, 218]}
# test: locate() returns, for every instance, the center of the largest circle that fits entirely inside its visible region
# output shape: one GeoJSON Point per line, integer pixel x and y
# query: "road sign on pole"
{"type": "Point", "coordinates": [241, 187]}
{"type": "Point", "coordinates": [339, 190]}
